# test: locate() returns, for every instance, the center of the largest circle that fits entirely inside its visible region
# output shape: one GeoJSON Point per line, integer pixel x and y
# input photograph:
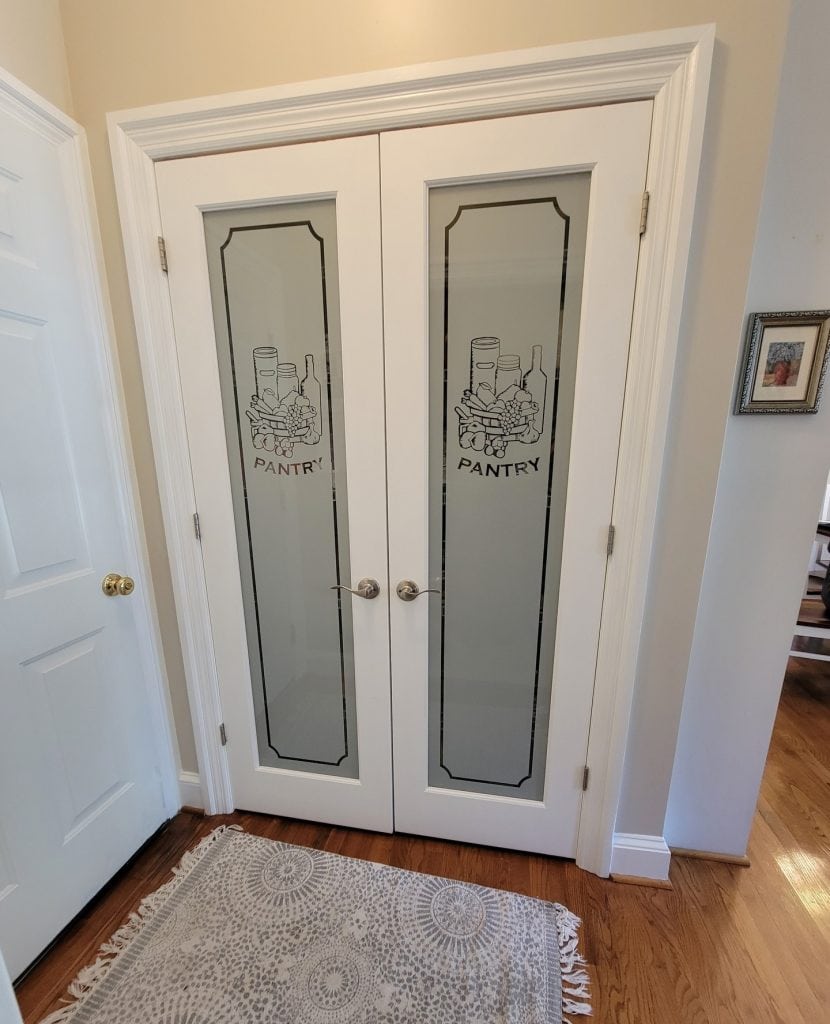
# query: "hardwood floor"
{"type": "Point", "coordinates": [727, 945]}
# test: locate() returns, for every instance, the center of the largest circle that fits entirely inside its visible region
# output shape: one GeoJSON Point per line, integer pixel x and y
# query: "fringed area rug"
{"type": "Point", "coordinates": [250, 931]}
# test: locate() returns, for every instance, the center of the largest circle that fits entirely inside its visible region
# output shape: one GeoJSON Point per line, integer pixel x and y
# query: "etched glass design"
{"type": "Point", "coordinates": [506, 263]}
{"type": "Point", "coordinates": [273, 278]}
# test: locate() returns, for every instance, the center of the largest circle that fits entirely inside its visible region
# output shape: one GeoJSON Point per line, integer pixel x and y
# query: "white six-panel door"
{"type": "Point", "coordinates": [80, 771]}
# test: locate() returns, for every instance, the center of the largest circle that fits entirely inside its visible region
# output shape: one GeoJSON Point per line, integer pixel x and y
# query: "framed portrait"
{"type": "Point", "coordinates": [785, 358]}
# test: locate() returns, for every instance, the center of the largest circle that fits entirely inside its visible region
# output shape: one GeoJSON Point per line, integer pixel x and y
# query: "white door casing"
{"type": "Point", "coordinates": [671, 67]}
{"type": "Point", "coordinates": [346, 170]}
{"type": "Point", "coordinates": [611, 142]}
{"type": "Point", "coordinates": [86, 762]}
{"type": "Point", "coordinates": [9, 1010]}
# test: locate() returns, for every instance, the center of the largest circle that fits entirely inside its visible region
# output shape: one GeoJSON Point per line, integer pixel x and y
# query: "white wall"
{"type": "Point", "coordinates": [770, 488]}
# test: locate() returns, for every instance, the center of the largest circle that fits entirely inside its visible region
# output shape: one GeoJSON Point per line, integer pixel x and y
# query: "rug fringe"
{"type": "Point", "coordinates": [92, 975]}
{"type": "Point", "coordinates": [575, 979]}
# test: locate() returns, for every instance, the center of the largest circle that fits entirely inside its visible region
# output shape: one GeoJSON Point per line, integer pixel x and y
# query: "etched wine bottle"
{"type": "Point", "coordinates": [536, 383]}
{"type": "Point", "coordinates": [310, 388]}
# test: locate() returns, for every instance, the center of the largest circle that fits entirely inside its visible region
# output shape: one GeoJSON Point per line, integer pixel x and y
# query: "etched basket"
{"type": "Point", "coordinates": [279, 425]}
{"type": "Point", "coordinates": [493, 424]}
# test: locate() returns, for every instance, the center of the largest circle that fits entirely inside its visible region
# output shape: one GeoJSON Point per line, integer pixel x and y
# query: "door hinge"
{"type": "Point", "coordinates": [197, 526]}
{"type": "Point", "coordinates": [612, 533]}
{"type": "Point", "coordinates": [586, 771]}
{"type": "Point", "coordinates": [644, 212]}
{"type": "Point", "coordinates": [223, 736]}
{"type": "Point", "coordinates": [163, 253]}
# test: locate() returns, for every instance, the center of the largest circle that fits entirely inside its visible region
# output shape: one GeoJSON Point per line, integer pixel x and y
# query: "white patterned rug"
{"type": "Point", "coordinates": [250, 931]}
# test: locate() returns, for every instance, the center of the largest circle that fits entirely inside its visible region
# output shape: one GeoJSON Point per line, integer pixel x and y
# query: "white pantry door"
{"type": "Point", "coordinates": [509, 260]}
{"type": "Point", "coordinates": [274, 272]}
{"type": "Point", "coordinates": [80, 782]}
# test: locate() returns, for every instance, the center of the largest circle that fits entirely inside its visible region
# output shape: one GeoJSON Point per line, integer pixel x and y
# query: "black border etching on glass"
{"type": "Point", "coordinates": [566, 218]}
{"type": "Point", "coordinates": [263, 227]}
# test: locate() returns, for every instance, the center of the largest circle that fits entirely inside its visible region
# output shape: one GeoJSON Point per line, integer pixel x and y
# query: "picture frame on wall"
{"type": "Point", "coordinates": [785, 360]}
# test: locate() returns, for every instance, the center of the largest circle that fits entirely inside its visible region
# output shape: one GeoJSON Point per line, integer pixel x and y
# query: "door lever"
{"type": "Point", "coordinates": [366, 588]}
{"type": "Point", "coordinates": [408, 590]}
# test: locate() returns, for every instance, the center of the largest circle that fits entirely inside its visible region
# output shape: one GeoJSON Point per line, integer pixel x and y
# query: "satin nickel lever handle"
{"type": "Point", "coordinates": [408, 590]}
{"type": "Point", "coordinates": [366, 588]}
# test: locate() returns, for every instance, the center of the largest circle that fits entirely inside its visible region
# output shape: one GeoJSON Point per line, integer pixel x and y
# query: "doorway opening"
{"type": "Point", "coordinates": [794, 794]}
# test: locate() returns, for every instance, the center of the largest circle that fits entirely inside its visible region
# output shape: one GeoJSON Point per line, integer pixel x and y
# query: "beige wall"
{"type": "Point", "coordinates": [124, 55]}
{"type": "Point", "coordinates": [32, 48]}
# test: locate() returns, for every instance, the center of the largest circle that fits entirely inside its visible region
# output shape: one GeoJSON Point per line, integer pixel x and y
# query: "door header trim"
{"type": "Point", "coordinates": [672, 68]}
{"type": "Point", "coordinates": [515, 82]}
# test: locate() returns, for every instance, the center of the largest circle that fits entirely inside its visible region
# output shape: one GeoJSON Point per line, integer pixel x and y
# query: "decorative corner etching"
{"type": "Point", "coordinates": [284, 412]}
{"type": "Point", "coordinates": [501, 405]}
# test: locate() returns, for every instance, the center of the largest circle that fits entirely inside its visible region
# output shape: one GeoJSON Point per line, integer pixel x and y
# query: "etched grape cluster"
{"type": "Point", "coordinates": [293, 416]}
{"type": "Point", "coordinates": [512, 414]}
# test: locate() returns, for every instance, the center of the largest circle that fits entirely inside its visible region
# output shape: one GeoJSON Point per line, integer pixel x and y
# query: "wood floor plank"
{"type": "Point", "coordinates": [727, 945]}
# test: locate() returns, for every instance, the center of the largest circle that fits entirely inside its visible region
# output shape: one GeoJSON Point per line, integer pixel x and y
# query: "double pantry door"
{"type": "Point", "coordinates": [403, 361]}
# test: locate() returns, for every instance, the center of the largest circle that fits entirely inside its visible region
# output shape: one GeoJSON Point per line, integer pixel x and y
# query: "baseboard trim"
{"type": "Point", "coordinates": [651, 883]}
{"type": "Point", "coordinates": [190, 791]}
{"type": "Point", "coordinates": [637, 856]}
{"type": "Point", "coordinates": [721, 858]}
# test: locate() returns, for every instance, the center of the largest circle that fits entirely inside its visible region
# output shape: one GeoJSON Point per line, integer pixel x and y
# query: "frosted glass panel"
{"type": "Point", "coordinates": [273, 278]}
{"type": "Point", "coordinates": [506, 263]}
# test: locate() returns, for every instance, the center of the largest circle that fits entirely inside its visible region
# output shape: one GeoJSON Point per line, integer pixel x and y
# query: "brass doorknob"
{"type": "Point", "coordinates": [115, 585]}
{"type": "Point", "coordinates": [126, 585]}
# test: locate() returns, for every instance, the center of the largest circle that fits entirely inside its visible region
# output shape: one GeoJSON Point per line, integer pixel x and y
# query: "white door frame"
{"type": "Point", "coordinates": [672, 68]}
{"type": "Point", "coordinates": [69, 139]}
{"type": "Point", "coordinates": [9, 1008]}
